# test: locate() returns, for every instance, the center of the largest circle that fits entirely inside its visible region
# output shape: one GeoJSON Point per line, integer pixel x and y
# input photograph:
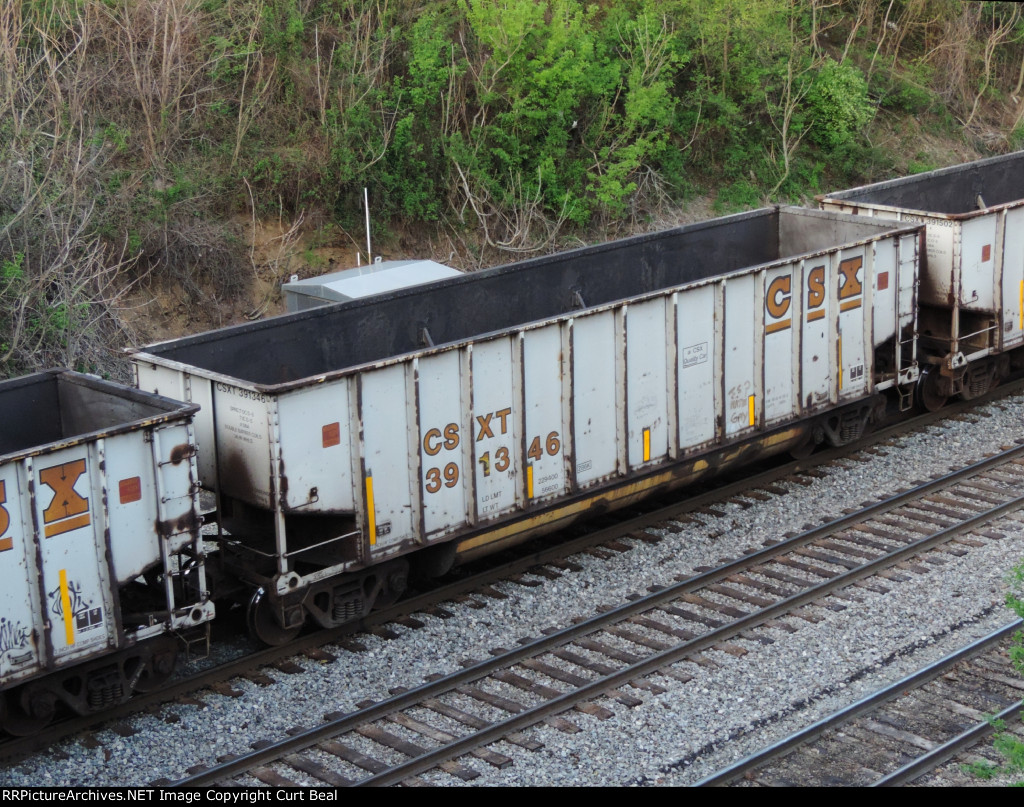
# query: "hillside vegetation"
{"type": "Point", "coordinates": [143, 142]}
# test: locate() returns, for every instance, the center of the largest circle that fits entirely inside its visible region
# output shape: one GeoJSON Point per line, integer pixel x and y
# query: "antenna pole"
{"type": "Point", "coordinates": [366, 205]}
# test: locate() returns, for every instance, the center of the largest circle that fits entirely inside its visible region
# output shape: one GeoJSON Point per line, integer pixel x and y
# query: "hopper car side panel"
{"type": "Point", "coordinates": [246, 422]}
{"type": "Point", "coordinates": [311, 455]}
{"type": "Point", "coordinates": [972, 279]}
{"type": "Point", "coordinates": [977, 290]}
{"type": "Point", "coordinates": [108, 498]}
{"type": "Point", "coordinates": [75, 587]}
{"type": "Point", "coordinates": [596, 390]}
{"type": "Point", "coordinates": [496, 376]}
{"type": "Point", "coordinates": [18, 604]}
{"type": "Point", "coordinates": [183, 386]}
{"type": "Point", "coordinates": [1010, 269]}
{"type": "Point", "coordinates": [816, 363]}
{"type": "Point", "coordinates": [462, 440]}
{"type": "Point", "coordinates": [544, 352]}
{"type": "Point", "coordinates": [389, 482]}
{"type": "Point", "coordinates": [698, 355]}
{"type": "Point", "coordinates": [442, 448]}
{"type": "Point", "coordinates": [649, 354]}
{"type": "Point", "coordinates": [741, 356]}
{"type": "Point", "coordinates": [853, 337]}
{"type": "Point", "coordinates": [781, 345]}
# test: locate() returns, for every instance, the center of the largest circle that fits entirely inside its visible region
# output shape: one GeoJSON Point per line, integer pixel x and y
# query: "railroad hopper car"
{"type": "Point", "coordinates": [435, 424]}
{"type": "Point", "coordinates": [971, 298]}
{"type": "Point", "coordinates": [100, 552]}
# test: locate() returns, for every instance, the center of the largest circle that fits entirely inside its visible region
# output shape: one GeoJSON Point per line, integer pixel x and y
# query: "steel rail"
{"type": "Point", "coordinates": [12, 749]}
{"type": "Point", "coordinates": [943, 753]}
{"type": "Point", "coordinates": [653, 663]}
{"type": "Point", "coordinates": [649, 665]}
{"type": "Point", "coordinates": [866, 704]}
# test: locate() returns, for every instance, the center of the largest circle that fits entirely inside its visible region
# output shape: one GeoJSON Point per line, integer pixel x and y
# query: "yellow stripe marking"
{"type": "Point", "coordinates": [371, 516]}
{"type": "Point", "coordinates": [6, 543]}
{"type": "Point", "coordinates": [750, 407]}
{"type": "Point", "coordinates": [67, 525]}
{"type": "Point", "coordinates": [529, 481]}
{"type": "Point", "coordinates": [647, 445]}
{"type": "Point", "coordinates": [781, 325]}
{"type": "Point", "coordinates": [849, 305]}
{"type": "Point", "coordinates": [65, 603]}
{"type": "Point", "coordinates": [813, 315]}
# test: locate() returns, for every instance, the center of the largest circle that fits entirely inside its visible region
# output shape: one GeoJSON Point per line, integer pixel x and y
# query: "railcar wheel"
{"type": "Point", "coordinates": [809, 445]}
{"type": "Point", "coordinates": [975, 383]}
{"type": "Point", "coordinates": [392, 584]}
{"type": "Point", "coordinates": [981, 378]}
{"type": "Point", "coordinates": [928, 393]}
{"type": "Point", "coordinates": [433, 562]}
{"type": "Point", "coordinates": [263, 625]}
{"type": "Point", "coordinates": [30, 712]}
{"type": "Point", "coordinates": [159, 668]}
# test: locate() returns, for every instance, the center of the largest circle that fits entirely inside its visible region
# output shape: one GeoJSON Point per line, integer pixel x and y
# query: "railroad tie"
{"type": "Point", "coordinates": [475, 722]}
{"type": "Point", "coordinates": [272, 778]}
{"type": "Point", "coordinates": [514, 707]}
{"type": "Point", "coordinates": [317, 771]}
{"type": "Point", "coordinates": [499, 761]}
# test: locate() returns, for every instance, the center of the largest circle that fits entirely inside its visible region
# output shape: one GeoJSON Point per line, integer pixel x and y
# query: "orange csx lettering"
{"type": "Point", "coordinates": [484, 423]}
{"type": "Point", "coordinates": [850, 286]}
{"type": "Point", "coordinates": [451, 436]}
{"type": "Point", "coordinates": [778, 297]}
{"type": "Point", "coordinates": [815, 287]}
{"type": "Point", "coordinates": [5, 519]}
{"type": "Point", "coordinates": [68, 510]}
{"type": "Point", "coordinates": [432, 442]}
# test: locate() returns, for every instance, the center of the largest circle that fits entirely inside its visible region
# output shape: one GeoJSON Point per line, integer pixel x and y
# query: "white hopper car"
{"type": "Point", "coordinates": [971, 299]}
{"type": "Point", "coordinates": [100, 552]}
{"type": "Point", "coordinates": [431, 425]}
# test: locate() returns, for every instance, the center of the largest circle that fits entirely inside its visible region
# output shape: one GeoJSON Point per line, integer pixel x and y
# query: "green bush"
{"type": "Point", "coordinates": [1007, 743]}
{"type": "Point", "coordinates": [838, 105]}
{"type": "Point", "coordinates": [740, 195]}
{"type": "Point", "coordinates": [912, 99]}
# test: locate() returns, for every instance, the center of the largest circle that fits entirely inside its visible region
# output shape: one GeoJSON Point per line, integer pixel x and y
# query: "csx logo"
{"type": "Point", "coordinates": [67, 510]}
{"type": "Point", "coordinates": [778, 297]}
{"type": "Point", "coordinates": [5, 520]}
{"type": "Point", "coordinates": [849, 284]}
{"type": "Point", "coordinates": [777, 301]}
{"type": "Point", "coordinates": [436, 439]}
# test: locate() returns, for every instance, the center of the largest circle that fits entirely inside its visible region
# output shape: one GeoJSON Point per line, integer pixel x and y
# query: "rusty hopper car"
{"type": "Point", "coordinates": [972, 276]}
{"type": "Point", "coordinates": [100, 550]}
{"type": "Point", "coordinates": [435, 424]}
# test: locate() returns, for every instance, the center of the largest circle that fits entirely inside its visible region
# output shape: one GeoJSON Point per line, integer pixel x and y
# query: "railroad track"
{"type": "Point", "coordinates": [601, 658]}
{"type": "Point", "coordinates": [549, 558]}
{"type": "Point", "coordinates": [899, 733]}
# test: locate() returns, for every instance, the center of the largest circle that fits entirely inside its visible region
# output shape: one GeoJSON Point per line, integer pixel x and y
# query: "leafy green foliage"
{"type": "Point", "coordinates": [1006, 743]}
{"type": "Point", "coordinates": [1016, 139]}
{"type": "Point", "coordinates": [1015, 601]}
{"type": "Point", "coordinates": [838, 103]}
{"type": "Point", "coordinates": [516, 116]}
{"type": "Point", "coordinates": [908, 93]}
{"type": "Point", "coordinates": [518, 120]}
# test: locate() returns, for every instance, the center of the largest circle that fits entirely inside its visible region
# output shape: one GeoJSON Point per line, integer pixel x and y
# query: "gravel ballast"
{"type": "Point", "coordinates": [733, 705]}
